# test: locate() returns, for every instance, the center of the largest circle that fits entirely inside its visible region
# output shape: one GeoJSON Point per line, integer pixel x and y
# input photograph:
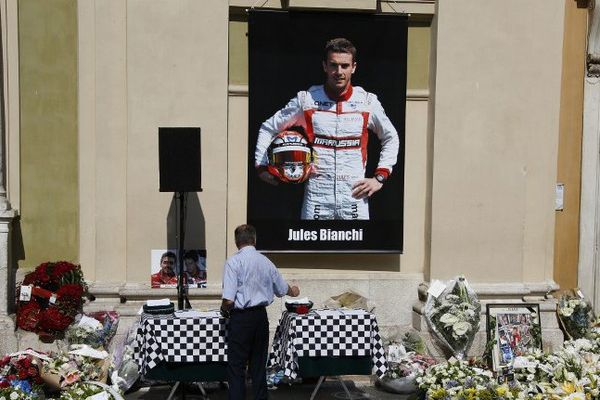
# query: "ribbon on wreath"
{"type": "Point", "coordinates": [44, 293]}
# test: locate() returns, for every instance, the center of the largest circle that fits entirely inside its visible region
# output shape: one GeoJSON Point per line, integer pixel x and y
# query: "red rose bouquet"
{"type": "Point", "coordinates": [57, 290]}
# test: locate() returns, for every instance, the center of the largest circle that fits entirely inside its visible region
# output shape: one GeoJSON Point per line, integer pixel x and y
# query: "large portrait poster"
{"type": "Point", "coordinates": [311, 149]}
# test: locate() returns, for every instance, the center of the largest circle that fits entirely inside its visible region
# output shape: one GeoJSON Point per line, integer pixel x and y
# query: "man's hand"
{"type": "Point", "coordinates": [365, 188]}
{"type": "Point", "coordinates": [293, 291]}
{"type": "Point", "coordinates": [267, 177]}
{"type": "Point", "coordinates": [226, 307]}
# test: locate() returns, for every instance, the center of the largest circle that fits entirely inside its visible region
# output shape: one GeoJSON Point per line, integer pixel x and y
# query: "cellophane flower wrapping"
{"type": "Point", "coordinates": [79, 391]}
{"type": "Point", "coordinates": [406, 357]}
{"type": "Point", "coordinates": [574, 314]}
{"type": "Point", "coordinates": [64, 368]}
{"type": "Point", "coordinates": [124, 368]}
{"type": "Point", "coordinates": [454, 316]}
{"type": "Point", "coordinates": [94, 329]}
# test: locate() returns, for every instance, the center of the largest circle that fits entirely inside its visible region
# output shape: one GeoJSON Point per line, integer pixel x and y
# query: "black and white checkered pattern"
{"type": "Point", "coordinates": [180, 340]}
{"type": "Point", "coordinates": [336, 335]}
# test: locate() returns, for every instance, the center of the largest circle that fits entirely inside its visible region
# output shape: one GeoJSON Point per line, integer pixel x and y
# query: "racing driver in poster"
{"type": "Point", "coordinates": [335, 118]}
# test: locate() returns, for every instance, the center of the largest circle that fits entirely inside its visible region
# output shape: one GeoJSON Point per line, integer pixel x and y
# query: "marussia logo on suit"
{"type": "Point", "coordinates": [336, 142]}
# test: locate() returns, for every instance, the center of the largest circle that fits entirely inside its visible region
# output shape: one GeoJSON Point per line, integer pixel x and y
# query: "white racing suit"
{"type": "Point", "coordinates": [338, 133]}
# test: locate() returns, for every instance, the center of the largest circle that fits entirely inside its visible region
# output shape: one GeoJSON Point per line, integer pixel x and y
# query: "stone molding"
{"type": "Point", "coordinates": [593, 48]}
{"type": "Point", "coordinates": [411, 94]}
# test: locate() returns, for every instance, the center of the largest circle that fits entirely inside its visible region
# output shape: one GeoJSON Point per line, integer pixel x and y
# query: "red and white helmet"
{"type": "Point", "coordinates": [290, 157]}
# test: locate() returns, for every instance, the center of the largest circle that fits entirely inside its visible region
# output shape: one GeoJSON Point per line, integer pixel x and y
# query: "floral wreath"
{"type": "Point", "coordinates": [56, 295]}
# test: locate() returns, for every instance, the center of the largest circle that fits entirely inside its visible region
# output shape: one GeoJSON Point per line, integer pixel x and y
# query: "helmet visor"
{"type": "Point", "coordinates": [284, 157]}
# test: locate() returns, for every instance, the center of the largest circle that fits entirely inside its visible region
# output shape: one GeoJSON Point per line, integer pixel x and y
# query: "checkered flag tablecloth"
{"type": "Point", "coordinates": [197, 339]}
{"type": "Point", "coordinates": [332, 334]}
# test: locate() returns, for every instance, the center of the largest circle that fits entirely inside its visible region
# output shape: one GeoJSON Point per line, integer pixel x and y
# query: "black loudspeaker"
{"type": "Point", "coordinates": [179, 159]}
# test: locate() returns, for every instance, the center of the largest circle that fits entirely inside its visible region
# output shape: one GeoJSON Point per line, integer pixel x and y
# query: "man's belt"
{"type": "Point", "coordinates": [247, 309]}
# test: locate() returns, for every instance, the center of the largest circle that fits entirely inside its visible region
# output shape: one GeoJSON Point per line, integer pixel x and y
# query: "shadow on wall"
{"type": "Point", "coordinates": [16, 254]}
{"type": "Point", "coordinates": [195, 224]}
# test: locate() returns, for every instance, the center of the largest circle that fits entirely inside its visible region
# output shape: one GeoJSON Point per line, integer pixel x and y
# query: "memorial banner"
{"type": "Point", "coordinates": [327, 97]}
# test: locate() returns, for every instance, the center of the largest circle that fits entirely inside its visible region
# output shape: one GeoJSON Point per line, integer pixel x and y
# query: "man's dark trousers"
{"type": "Point", "coordinates": [247, 340]}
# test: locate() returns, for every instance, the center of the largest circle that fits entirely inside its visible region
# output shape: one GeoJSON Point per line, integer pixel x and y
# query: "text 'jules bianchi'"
{"type": "Point", "coordinates": [298, 235]}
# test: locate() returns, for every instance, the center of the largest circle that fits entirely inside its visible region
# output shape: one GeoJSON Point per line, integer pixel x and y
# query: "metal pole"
{"type": "Point", "coordinates": [180, 282]}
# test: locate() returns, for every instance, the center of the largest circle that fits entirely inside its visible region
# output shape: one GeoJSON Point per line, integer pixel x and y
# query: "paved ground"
{"type": "Point", "coordinates": [359, 387]}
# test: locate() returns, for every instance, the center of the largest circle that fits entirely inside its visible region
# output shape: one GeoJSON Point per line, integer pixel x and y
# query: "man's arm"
{"type": "Point", "coordinates": [387, 134]}
{"type": "Point", "coordinates": [280, 286]}
{"type": "Point", "coordinates": [229, 289]}
{"type": "Point", "coordinates": [289, 115]}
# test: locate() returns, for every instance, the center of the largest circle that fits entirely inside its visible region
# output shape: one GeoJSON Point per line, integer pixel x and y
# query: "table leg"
{"type": "Point", "coordinates": [173, 390]}
{"type": "Point", "coordinates": [182, 391]}
{"type": "Point", "coordinates": [344, 386]}
{"type": "Point", "coordinates": [314, 393]}
{"type": "Point", "coordinates": [204, 396]}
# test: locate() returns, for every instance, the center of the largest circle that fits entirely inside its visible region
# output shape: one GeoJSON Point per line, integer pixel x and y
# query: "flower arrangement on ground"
{"type": "Point", "coordinates": [21, 391]}
{"type": "Point", "coordinates": [20, 376]}
{"type": "Point", "coordinates": [574, 314]}
{"type": "Point", "coordinates": [80, 391]}
{"type": "Point", "coordinates": [454, 316]}
{"type": "Point", "coordinates": [94, 329]}
{"type": "Point", "coordinates": [457, 379]}
{"type": "Point", "coordinates": [406, 359]}
{"type": "Point", "coordinates": [77, 363]}
{"type": "Point", "coordinates": [572, 372]}
{"type": "Point", "coordinates": [85, 390]}
{"type": "Point", "coordinates": [57, 290]}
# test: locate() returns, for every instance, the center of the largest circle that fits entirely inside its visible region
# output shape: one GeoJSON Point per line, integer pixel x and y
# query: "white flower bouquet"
{"type": "Point", "coordinates": [574, 314]}
{"type": "Point", "coordinates": [85, 390]}
{"type": "Point", "coordinates": [453, 316]}
{"type": "Point", "coordinates": [573, 372]}
{"type": "Point", "coordinates": [458, 380]}
{"type": "Point", "coordinates": [95, 329]}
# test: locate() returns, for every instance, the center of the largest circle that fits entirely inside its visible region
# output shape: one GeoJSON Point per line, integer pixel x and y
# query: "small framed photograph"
{"type": "Point", "coordinates": [164, 268]}
{"type": "Point", "coordinates": [515, 331]}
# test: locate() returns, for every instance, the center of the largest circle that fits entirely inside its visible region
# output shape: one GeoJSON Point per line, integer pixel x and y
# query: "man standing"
{"type": "Point", "coordinates": [336, 117]}
{"type": "Point", "coordinates": [250, 280]}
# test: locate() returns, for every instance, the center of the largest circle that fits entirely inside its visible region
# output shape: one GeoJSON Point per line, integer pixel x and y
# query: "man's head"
{"type": "Point", "coordinates": [167, 262]}
{"type": "Point", "coordinates": [245, 235]}
{"type": "Point", "coordinates": [190, 260]}
{"type": "Point", "coordinates": [339, 63]}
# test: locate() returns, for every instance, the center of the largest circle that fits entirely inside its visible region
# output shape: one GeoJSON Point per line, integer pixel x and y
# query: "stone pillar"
{"type": "Point", "coordinates": [589, 227]}
{"type": "Point", "coordinates": [8, 342]}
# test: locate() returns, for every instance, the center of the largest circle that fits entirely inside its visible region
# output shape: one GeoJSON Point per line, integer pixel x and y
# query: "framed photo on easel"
{"type": "Point", "coordinates": [515, 331]}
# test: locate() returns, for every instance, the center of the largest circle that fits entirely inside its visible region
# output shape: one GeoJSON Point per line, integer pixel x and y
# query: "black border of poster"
{"type": "Point", "coordinates": [285, 54]}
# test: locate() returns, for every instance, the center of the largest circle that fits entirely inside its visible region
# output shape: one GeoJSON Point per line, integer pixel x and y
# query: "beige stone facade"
{"type": "Point", "coordinates": [482, 144]}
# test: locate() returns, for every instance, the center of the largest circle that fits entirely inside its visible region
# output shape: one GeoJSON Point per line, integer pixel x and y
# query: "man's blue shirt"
{"type": "Point", "coordinates": [251, 279]}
